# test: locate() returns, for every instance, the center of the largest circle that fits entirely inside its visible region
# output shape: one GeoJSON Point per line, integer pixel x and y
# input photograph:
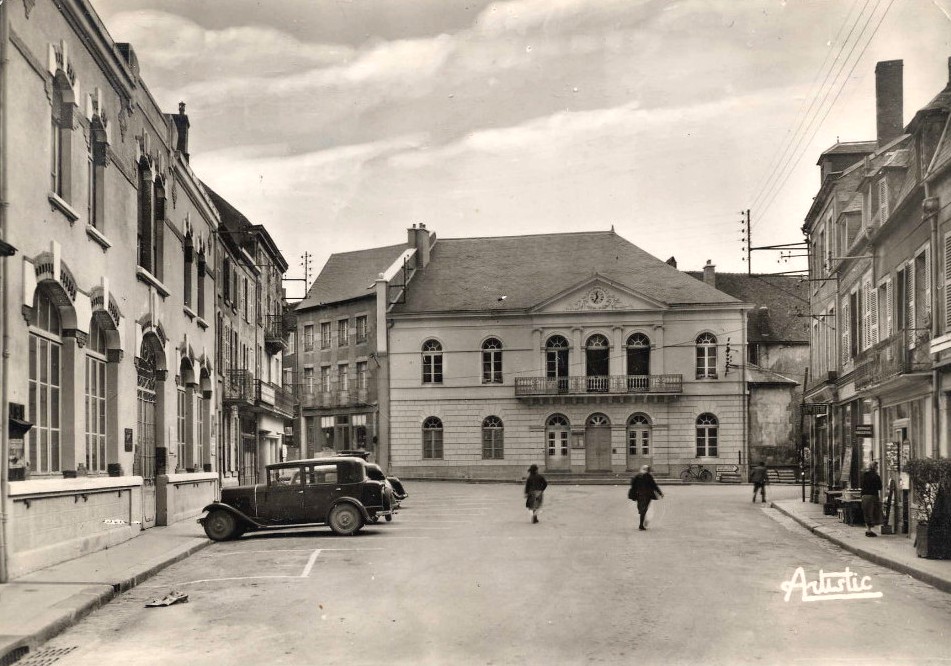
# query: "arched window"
{"type": "Point", "coordinates": [189, 269]}
{"type": "Point", "coordinates": [638, 362]}
{"type": "Point", "coordinates": [556, 362]}
{"type": "Point", "coordinates": [61, 126]}
{"type": "Point", "coordinates": [96, 399]}
{"type": "Point", "coordinates": [706, 356]}
{"type": "Point", "coordinates": [432, 362]}
{"type": "Point", "coordinates": [597, 363]}
{"type": "Point", "coordinates": [492, 361]}
{"type": "Point", "coordinates": [43, 451]}
{"type": "Point", "coordinates": [707, 427]}
{"type": "Point", "coordinates": [432, 439]}
{"type": "Point", "coordinates": [638, 435]}
{"type": "Point", "coordinates": [492, 438]}
{"type": "Point", "coordinates": [146, 379]}
{"type": "Point", "coordinates": [597, 341]}
{"type": "Point", "coordinates": [557, 434]}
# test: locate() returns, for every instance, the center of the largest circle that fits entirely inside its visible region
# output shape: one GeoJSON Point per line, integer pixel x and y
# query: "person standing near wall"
{"type": "Point", "coordinates": [871, 500]}
{"type": "Point", "coordinates": [759, 478]}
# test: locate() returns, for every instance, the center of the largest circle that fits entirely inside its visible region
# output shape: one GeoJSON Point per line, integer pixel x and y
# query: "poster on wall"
{"type": "Point", "coordinates": [846, 474]}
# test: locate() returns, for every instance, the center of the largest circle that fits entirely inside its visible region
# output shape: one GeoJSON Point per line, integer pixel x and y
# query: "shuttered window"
{"type": "Point", "coordinates": [947, 282]}
{"type": "Point", "coordinates": [883, 199]}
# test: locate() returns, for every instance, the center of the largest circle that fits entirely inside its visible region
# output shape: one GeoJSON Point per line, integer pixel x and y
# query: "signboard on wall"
{"type": "Point", "coordinates": [863, 430]}
{"type": "Point", "coordinates": [128, 440]}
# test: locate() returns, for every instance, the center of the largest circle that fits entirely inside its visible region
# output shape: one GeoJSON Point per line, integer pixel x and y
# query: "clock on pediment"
{"type": "Point", "coordinates": [597, 296]}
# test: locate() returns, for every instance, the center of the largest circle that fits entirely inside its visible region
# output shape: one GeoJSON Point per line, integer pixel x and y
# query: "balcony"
{"type": "Point", "coordinates": [312, 398]}
{"type": "Point", "coordinates": [238, 388]}
{"type": "Point", "coordinates": [275, 338]}
{"type": "Point", "coordinates": [891, 359]}
{"type": "Point", "coordinates": [273, 398]}
{"type": "Point", "coordinates": [596, 387]}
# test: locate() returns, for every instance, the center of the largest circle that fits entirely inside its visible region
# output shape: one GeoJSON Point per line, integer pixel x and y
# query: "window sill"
{"type": "Point", "coordinates": [201, 322]}
{"type": "Point", "coordinates": [97, 236]}
{"type": "Point", "coordinates": [60, 204]}
{"type": "Point", "coordinates": [189, 312]}
{"type": "Point", "coordinates": [149, 279]}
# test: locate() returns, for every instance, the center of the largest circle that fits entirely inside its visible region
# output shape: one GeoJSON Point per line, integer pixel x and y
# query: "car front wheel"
{"type": "Point", "coordinates": [345, 520]}
{"type": "Point", "coordinates": [220, 525]}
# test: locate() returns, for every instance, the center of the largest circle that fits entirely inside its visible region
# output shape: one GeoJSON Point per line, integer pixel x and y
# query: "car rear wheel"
{"type": "Point", "coordinates": [345, 520]}
{"type": "Point", "coordinates": [389, 517]}
{"type": "Point", "coordinates": [220, 525]}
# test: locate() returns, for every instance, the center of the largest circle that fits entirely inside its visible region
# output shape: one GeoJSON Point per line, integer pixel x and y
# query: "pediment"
{"type": "Point", "coordinates": [599, 294]}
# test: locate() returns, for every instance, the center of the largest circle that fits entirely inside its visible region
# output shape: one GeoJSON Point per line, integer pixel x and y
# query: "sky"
{"type": "Point", "coordinates": [337, 124]}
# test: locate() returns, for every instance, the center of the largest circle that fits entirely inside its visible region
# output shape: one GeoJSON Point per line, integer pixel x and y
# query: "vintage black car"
{"type": "Point", "coordinates": [338, 491]}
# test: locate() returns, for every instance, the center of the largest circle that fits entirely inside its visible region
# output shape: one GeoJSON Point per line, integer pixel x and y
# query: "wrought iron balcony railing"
{"type": "Point", "coordinates": [238, 387]}
{"type": "Point", "coordinates": [893, 357]}
{"type": "Point", "coordinates": [274, 398]}
{"type": "Point", "coordinates": [613, 385]}
{"type": "Point", "coordinates": [311, 397]}
{"type": "Point", "coordinates": [275, 337]}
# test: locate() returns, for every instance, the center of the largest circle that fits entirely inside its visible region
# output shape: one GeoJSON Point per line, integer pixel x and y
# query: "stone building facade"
{"type": "Point", "coordinates": [880, 235]}
{"type": "Point", "coordinates": [577, 352]}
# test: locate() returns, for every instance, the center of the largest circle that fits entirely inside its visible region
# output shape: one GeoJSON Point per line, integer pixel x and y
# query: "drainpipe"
{"type": "Point", "coordinates": [4, 282]}
{"type": "Point", "coordinates": [931, 210]}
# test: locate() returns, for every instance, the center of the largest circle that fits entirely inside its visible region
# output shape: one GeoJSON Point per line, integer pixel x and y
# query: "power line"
{"type": "Point", "coordinates": [834, 100]}
{"type": "Point", "coordinates": [772, 169]}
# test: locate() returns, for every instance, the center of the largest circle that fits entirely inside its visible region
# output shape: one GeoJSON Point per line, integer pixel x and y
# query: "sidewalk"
{"type": "Point", "coordinates": [40, 605]}
{"type": "Point", "coordinates": [895, 551]}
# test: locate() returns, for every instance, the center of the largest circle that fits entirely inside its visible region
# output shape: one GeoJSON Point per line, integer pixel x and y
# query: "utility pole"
{"type": "Point", "coordinates": [307, 261]}
{"type": "Point", "coordinates": [787, 250]}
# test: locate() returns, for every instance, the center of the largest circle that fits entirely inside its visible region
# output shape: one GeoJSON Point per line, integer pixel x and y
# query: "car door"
{"type": "Point", "coordinates": [321, 487]}
{"type": "Point", "coordinates": [283, 500]}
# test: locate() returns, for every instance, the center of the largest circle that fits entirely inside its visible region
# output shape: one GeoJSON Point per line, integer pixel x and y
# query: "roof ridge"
{"type": "Point", "coordinates": [551, 233]}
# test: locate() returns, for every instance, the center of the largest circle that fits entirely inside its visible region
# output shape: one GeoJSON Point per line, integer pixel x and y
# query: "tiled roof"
{"type": "Point", "coordinates": [473, 274]}
{"type": "Point", "coordinates": [348, 275]}
{"type": "Point", "coordinates": [784, 297]}
{"type": "Point", "coordinates": [851, 148]}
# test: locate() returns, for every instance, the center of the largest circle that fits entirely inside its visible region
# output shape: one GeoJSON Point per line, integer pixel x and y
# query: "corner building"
{"type": "Point", "coordinates": [579, 352]}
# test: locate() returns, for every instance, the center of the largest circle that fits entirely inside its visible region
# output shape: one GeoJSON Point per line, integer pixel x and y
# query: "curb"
{"type": "Point", "coordinates": [78, 606]}
{"type": "Point", "coordinates": [817, 529]}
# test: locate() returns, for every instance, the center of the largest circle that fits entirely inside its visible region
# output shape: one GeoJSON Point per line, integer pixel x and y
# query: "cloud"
{"type": "Point", "coordinates": [171, 43]}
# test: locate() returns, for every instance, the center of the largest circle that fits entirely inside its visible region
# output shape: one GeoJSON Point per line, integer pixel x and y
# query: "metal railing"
{"type": "Point", "coordinates": [238, 387]}
{"type": "Point", "coordinates": [275, 337]}
{"type": "Point", "coordinates": [612, 385]}
{"type": "Point", "coordinates": [893, 357]}
{"type": "Point", "coordinates": [312, 397]}
{"type": "Point", "coordinates": [274, 398]}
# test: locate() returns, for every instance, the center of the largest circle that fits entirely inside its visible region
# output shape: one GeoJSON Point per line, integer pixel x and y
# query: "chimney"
{"type": "Point", "coordinates": [181, 127]}
{"type": "Point", "coordinates": [710, 274]}
{"type": "Point", "coordinates": [888, 100]}
{"type": "Point", "coordinates": [418, 237]}
{"type": "Point", "coordinates": [672, 262]}
{"type": "Point", "coordinates": [762, 321]}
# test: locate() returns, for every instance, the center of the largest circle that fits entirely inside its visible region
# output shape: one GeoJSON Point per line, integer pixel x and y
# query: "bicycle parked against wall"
{"type": "Point", "coordinates": [696, 473]}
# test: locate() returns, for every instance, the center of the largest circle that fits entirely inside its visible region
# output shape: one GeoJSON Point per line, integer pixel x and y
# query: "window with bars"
{"type": "Point", "coordinates": [492, 361]}
{"type": "Point", "coordinates": [492, 438]}
{"type": "Point", "coordinates": [432, 362]}
{"type": "Point", "coordinates": [432, 439]}
{"type": "Point", "coordinates": [707, 435]}
{"type": "Point", "coordinates": [706, 356]}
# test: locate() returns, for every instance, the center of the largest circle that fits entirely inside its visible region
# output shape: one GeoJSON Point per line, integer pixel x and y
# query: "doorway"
{"type": "Point", "coordinates": [557, 443]}
{"type": "Point", "coordinates": [597, 363]}
{"type": "Point", "coordinates": [597, 441]}
{"type": "Point", "coordinates": [639, 444]}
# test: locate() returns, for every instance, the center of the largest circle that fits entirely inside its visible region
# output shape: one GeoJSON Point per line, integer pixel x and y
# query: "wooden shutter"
{"type": "Point", "coordinates": [889, 308]}
{"type": "Point", "coordinates": [873, 315]}
{"type": "Point", "coordinates": [909, 322]}
{"type": "Point", "coordinates": [926, 306]}
{"type": "Point", "coordinates": [883, 199]}
{"type": "Point", "coordinates": [845, 329]}
{"type": "Point", "coordinates": [947, 282]}
{"type": "Point", "coordinates": [866, 337]}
